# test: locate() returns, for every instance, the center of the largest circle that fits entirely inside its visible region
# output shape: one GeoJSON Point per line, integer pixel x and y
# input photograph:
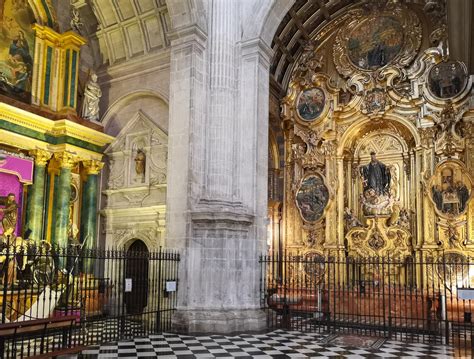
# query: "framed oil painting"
{"type": "Point", "coordinates": [375, 42]}
{"type": "Point", "coordinates": [451, 190]}
{"type": "Point", "coordinates": [310, 104]}
{"type": "Point", "coordinates": [312, 198]}
{"type": "Point", "coordinates": [447, 79]}
{"type": "Point", "coordinates": [16, 49]}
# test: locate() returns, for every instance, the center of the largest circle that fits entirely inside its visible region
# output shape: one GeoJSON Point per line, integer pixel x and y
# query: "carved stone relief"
{"type": "Point", "coordinates": [136, 185]}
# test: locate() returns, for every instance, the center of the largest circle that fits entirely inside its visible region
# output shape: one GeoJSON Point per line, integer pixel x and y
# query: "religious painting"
{"type": "Point", "coordinates": [311, 103]}
{"type": "Point", "coordinates": [450, 190]}
{"type": "Point", "coordinates": [375, 42]}
{"type": "Point", "coordinates": [312, 198]}
{"type": "Point", "coordinates": [374, 101]}
{"type": "Point", "coordinates": [447, 79]}
{"type": "Point", "coordinates": [16, 49]}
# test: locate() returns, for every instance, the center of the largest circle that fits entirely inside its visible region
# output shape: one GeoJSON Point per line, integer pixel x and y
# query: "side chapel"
{"type": "Point", "coordinates": [50, 157]}
{"type": "Point", "coordinates": [374, 154]}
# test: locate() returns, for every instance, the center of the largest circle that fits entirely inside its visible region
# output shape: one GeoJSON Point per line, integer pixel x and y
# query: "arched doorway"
{"type": "Point", "coordinates": [136, 270]}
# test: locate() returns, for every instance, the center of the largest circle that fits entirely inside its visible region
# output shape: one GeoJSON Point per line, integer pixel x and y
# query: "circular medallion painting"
{"type": "Point", "coordinates": [310, 104]}
{"type": "Point", "coordinates": [447, 79]}
{"type": "Point", "coordinates": [375, 42]}
{"type": "Point", "coordinates": [312, 198]}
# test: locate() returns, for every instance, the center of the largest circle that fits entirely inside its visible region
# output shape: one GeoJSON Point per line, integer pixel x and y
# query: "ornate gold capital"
{"type": "Point", "coordinates": [92, 167]}
{"type": "Point", "coordinates": [41, 156]}
{"type": "Point", "coordinates": [65, 160]}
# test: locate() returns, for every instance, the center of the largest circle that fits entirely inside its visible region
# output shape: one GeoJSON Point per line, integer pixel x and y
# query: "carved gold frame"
{"type": "Point", "coordinates": [330, 196]}
{"type": "Point", "coordinates": [412, 39]}
{"type": "Point", "coordinates": [437, 172]}
{"type": "Point", "coordinates": [441, 102]}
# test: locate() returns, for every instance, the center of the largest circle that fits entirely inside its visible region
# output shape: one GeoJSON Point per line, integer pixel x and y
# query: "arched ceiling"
{"type": "Point", "coordinates": [302, 22]}
{"type": "Point", "coordinates": [124, 29]}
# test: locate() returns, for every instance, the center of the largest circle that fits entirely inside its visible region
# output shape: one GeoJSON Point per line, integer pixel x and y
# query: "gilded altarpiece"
{"type": "Point", "coordinates": [379, 139]}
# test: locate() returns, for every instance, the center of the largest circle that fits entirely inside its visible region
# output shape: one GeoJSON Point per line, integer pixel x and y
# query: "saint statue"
{"type": "Point", "coordinates": [92, 94]}
{"type": "Point", "coordinates": [9, 215]}
{"type": "Point", "coordinates": [140, 160]}
{"type": "Point", "coordinates": [376, 176]}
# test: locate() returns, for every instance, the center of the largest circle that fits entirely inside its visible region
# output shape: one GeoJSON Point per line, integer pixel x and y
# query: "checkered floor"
{"type": "Point", "coordinates": [277, 344]}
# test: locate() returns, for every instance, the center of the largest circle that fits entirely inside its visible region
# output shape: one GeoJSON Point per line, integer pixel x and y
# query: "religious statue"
{"type": "Point", "coordinates": [140, 161]}
{"type": "Point", "coordinates": [92, 95]}
{"type": "Point", "coordinates": [9, 214]}
{"type": "Point", "coordinates": [376, 176]}
{"type": "Point", "coordinates": [15, 257]}
{"type": "Point", "coordinates": [376, 198]}
{"type": "Point", "coordinates": [76, 23]}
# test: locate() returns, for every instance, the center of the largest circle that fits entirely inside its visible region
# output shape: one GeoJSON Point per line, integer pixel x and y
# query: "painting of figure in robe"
{"type": "Point", "coordinates": [311, 104]}
{"type": "Point", "coordinates": [450, 196]}
{"type": "Point", "coordinates": [375, 42]}
{"type": "Point", "coordinates": [16, 49]}
{"type": "Point", "coordinates": [447, 79]}
{"type": "Point", "coordinates": [312, 198]}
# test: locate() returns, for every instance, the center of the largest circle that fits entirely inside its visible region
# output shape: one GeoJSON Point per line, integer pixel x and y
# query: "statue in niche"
{"type": "Point", "coordinates": [376, 198]}
{"type": "Point", "coordinates": [376, 176]}
{"type": "Point", "coordinates": [9, 215]}
{"type": "Point", "coordinates": [140, 162]}
{"type": "Point", "coordinates": [92, 95]}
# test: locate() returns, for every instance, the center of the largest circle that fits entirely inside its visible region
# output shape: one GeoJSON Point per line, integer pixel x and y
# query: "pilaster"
{"type": "Point", "coordinates": [56, 68]}
{"type": "Point", "coordinates": [217, 209]}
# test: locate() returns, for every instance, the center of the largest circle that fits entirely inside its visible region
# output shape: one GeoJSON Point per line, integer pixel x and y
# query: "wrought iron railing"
{"type": "Point", "coordinates": [425, 298]}
{"type": "Point", "coordinates": [110, 294]}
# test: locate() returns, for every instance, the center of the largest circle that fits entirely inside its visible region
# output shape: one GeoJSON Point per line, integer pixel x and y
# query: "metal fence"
{"type": "Point", "coordinates": [421, 299]}
{"type": "Point", "coordinates": [109, 294]}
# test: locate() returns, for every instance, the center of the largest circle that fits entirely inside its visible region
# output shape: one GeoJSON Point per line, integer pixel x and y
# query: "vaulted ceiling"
{"type": "Point", "coordinates": [126, 28]}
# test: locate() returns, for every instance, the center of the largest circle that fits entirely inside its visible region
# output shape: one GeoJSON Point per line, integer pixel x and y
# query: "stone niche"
{"type": "Point", "coordinates": [134, 194]}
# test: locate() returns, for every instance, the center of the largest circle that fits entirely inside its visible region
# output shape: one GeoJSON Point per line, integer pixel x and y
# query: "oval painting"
{"type": "Point", "coordinates": [312, 198]}
{"type": "Point", "coordinates": [375, 42]}
{"type": "Point", "coordinates": [310, 103]}
{"type": "Point", "coordinates": [447, 79]}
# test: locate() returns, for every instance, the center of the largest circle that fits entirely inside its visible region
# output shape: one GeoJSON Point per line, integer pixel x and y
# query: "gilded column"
{"type": "Point", "coordinates": [35, 202]}
{"type": "Point", "coordinates": [89, 208]}
{"type": "Point", "coordinates": [62, 196]}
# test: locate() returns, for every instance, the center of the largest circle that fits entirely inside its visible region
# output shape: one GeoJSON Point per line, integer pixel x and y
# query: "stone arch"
{"type": "Point", "coordinates": [185, 13]}
{"type": "Point", "coordinates": [363, 122]}
{"type": "Point", "coordinates": [271, 13]}
{"type": "Point", "coordinates": [123, 109]}
{"type": "Point", "coordinates": [127, 240]}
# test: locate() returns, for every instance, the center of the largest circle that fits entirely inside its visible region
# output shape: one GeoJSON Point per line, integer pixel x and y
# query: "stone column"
{"type": "Point", "coordinates": [224, 31]}
{"type": "Point", "coordinates": [217, 195]}
{"type": "Point", "coordinates": [35, 202]}
{"type": "Point", "coordinates": [62, 196]}
{"type": "Point", "coordinates": [89, 212]}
